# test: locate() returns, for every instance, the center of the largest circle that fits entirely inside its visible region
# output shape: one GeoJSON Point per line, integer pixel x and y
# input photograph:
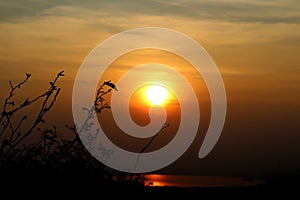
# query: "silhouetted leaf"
{"type": "Point", "coordinates": [111, 85]}
{"type": "Point", "coordinates": [11, 103]}
{"type": "Point", "coordinates": [61, 73]}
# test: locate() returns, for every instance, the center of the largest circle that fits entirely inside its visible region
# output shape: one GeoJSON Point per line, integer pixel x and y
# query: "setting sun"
{"type": "Point", "coordinates": [156, 94]}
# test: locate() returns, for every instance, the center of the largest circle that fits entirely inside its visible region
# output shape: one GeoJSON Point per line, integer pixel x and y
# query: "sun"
{"type": "Point", "coordinates": [157, 94]}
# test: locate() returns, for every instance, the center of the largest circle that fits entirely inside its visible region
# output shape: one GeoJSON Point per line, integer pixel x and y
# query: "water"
{"type": "Point", "coordinates": [198, 181]}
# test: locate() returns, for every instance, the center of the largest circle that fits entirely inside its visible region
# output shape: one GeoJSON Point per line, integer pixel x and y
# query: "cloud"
{"type": "Point", "coordinates": [16, 9]}
{"type": "Point", "coordinates": [239, 11]}
{"type": "Point", "coordinates": [64, 33]}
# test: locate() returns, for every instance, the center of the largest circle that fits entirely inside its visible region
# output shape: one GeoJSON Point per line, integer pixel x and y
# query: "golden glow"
{"type": "Point", "coordinates": [156, 94]}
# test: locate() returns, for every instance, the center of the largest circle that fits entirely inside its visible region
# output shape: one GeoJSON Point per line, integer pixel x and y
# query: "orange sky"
{"type": "Point", "coordinates": [255, 45]}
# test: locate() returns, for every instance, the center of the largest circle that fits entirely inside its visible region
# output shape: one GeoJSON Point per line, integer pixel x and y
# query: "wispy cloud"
{"type": "Point", "coordinates": [42, 33]}
{"type": "Point", "coordinates": [258, 11]}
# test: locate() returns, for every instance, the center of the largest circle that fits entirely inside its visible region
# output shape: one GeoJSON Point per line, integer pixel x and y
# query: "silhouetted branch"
{"type": "Point", "coordinates": [50, 97]}
{"type": "Point", "coordinates": [152, 139]}
{"type": "Point", "coordinates": [141, 177]}
{"type": "Point", "coordinates": [100, 103]}
{"type": "Point", "coordinates": [8, 102]}
{"type": "Point", "coordinates": [49, 149]}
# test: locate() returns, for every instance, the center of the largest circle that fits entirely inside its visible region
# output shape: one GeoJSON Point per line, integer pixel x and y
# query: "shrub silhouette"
{"type": "Point", "coordinates": [13, 151]}
{"type": "Point", "coordinates": [49, 153]}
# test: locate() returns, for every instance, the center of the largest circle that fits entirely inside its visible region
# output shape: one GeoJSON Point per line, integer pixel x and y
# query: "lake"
{"type": "Point", "coordinates": [198, 181]}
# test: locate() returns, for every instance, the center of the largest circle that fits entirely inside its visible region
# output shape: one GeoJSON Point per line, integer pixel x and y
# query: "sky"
{"type": "Point", "coordinates": [255, 45]}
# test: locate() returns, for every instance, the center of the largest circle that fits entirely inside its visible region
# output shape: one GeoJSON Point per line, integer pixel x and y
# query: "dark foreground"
{"type": "Point", "coordinates": [42, 184]}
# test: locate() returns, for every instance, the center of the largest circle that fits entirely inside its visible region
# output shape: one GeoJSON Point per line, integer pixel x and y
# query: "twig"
{"type": "Point", "coordinates": [165, 125]}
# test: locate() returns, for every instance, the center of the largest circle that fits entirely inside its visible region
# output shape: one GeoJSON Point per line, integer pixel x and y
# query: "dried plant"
{"type": "Point", "coordinates": [11, 132]}
{"type": "Point", "coordinates": [49, 150]}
